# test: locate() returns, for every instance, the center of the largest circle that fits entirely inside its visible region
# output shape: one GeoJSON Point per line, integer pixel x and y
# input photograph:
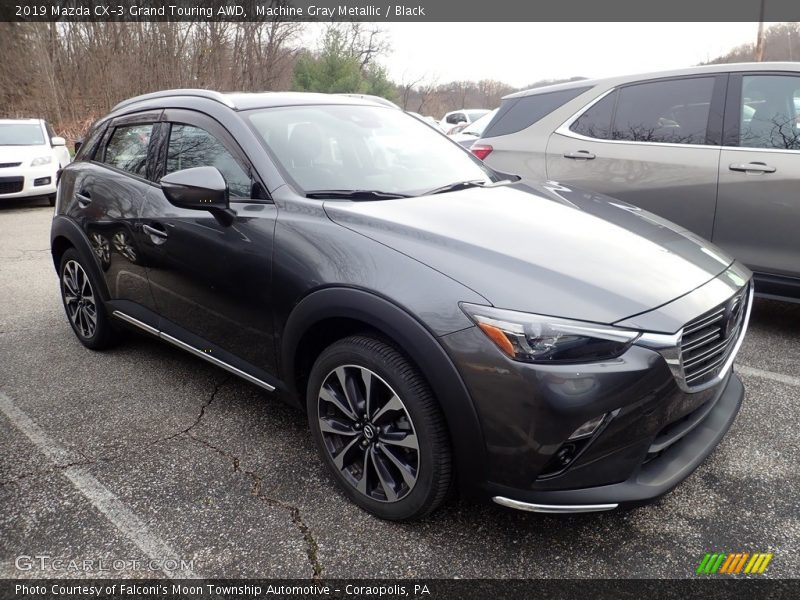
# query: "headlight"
{"type": "Point", "coordinates": [550, 340]}
{"type": "Point", "coordinates": [41, 160]}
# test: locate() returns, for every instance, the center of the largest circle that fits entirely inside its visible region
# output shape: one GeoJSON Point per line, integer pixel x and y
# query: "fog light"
{"type": "Point", "coordinates": [588, 428]}
{"type": "Point", "coordinates": [41, 181]}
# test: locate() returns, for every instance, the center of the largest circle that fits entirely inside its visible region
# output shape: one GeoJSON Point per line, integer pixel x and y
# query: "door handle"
{"type": "Point", "coordinates": [154, 231]}
{"type": "Point", "coordinates": [753, 167]}
{"type": "Point", "coordinates": [84, 198]}
{"type": "Point", "coordinates": [579, 155]}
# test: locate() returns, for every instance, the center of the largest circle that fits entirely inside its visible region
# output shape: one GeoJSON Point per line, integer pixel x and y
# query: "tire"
{"type": "Point", "coordinates": [402, 446]}
{"type": "Point", "coordinates": [82, 303]}
{"type": "Point", "coordinates": [51, 199]}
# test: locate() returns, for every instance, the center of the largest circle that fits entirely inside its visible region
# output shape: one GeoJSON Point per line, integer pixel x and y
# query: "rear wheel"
{"type": "Point", "coordinates": [379, 429]}
{"type": "Point", "coordinates": [83, 304]}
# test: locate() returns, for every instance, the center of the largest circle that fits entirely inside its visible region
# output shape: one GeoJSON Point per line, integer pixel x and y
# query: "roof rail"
{"type": "Point", "coordinates": [209, 94]}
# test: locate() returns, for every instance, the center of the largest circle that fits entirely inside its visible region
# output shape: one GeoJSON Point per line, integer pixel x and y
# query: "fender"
{"type": "Point", "coordinates": [422, 347]}
{"type": "Point", "coordinates": [67, 228]}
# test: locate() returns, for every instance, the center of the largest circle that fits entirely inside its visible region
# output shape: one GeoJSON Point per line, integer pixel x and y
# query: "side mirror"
{"type": "Point", "coordinates": [199, 188]}
{"type": "Point", "coordinates": [58, 141]}
{"type": "Point", "coordinates": [78, 144]}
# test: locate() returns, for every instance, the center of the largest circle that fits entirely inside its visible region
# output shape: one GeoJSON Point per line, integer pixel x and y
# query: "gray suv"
{"type": "Point", "coordinates": [715, 149]}
{"type": "Point", "coordinates": [439, 324]}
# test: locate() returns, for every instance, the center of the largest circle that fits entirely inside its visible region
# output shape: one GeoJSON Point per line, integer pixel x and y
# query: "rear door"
{"type": "Point", "coordinates": [213, 280]}
{"type": "Point", "coordinates": [110, 191]}
{"type": "Point", "coordinates": [654, 144]}
{"type": "Point", "coordinates": [758, 211]}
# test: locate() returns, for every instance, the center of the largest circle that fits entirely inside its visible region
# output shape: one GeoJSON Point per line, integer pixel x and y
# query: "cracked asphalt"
{"type": "Point", "coordinates": [120, 455]}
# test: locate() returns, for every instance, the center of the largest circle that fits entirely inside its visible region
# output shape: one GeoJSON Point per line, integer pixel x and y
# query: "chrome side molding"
{"type": "Point", "coordinates": [192, 350]}
{"type": "Point", "coordinates": [553, 508]}
{"type": "Point", "coordinates": [135, 322]}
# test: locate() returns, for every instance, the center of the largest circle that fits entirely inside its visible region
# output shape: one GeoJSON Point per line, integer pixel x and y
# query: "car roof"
{"type": "Point", "coordinates": [251, 100]}
{"type": "Point", "coordinates": [720, 68]}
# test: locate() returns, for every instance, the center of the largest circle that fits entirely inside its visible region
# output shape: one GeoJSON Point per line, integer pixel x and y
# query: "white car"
{"type": "Point", "coordinates": [467, 136]}
{"type": "Point", "coordinates": [456, 117]}
{"type": "Point", "coordinates": [30, 157]}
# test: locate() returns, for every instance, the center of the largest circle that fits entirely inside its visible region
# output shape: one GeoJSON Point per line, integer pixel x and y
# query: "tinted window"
{"type": "Point", "coordinates": [89, 143]}
{"type": "Point", "coordinates": [770, 111]}
{"type": "Point", "coordinates": [596, 121]}
{"type": "Point", "coordinates": [674, 111]}
{"type": "Point", "coordinates": [127, 148]}
{"type": "Point", "coordinates": [516, 114]}
{"type": "Point", "coordinates": [191, 146]}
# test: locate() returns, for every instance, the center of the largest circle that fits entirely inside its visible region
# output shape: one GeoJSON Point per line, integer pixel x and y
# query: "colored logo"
{"type": "Point", "coordinates": [734, 563]}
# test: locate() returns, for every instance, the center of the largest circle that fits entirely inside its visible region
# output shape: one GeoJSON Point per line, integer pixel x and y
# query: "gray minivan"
{"type": "Point", "coordinates": [715, 149]}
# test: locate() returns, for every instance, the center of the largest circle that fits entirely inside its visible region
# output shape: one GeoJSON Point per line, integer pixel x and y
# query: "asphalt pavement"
{"type": "Point", "coordinates": [145, 461]}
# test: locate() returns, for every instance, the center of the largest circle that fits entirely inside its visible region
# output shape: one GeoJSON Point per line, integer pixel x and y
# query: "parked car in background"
{"type": "Point", "coordinates": [470, 133]}
{"type": "Point", "coordinates": [439, 324]}
{"type": "Point", "coordinates": [456, 117]}
{"type": "Point", "coordinates": [30, 156]}
{"type": "Point", "coordinates": [715, 149]}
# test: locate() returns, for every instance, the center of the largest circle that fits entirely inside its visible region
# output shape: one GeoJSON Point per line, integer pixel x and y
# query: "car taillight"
{"type": "Point", "coordinates": [481, 150]}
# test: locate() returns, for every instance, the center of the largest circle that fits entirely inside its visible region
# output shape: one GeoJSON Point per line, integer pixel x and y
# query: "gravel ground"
{"type": "Point", "coordinates": [145, 451]}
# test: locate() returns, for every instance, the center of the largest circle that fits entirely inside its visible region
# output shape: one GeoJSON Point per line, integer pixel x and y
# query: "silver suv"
{"type": "Point", "coordinates": [715, 149]}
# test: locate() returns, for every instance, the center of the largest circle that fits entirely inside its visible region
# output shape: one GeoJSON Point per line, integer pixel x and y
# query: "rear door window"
{"type": "Point", "coordinates": [671, 111]}
{"type": "Point", "coordinates": [127, 148]}
{"type": "Point", "coordinates": [519, 113]}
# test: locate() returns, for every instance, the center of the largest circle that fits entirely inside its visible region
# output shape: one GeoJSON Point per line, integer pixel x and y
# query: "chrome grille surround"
{"type": "Point", "coordinates": [702, 352]}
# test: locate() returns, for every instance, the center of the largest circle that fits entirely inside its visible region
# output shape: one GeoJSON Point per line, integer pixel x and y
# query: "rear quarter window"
{"type": "Point", "coordinates": [517, 114]}
{"type": "Point", "coordinates": [90, 142]}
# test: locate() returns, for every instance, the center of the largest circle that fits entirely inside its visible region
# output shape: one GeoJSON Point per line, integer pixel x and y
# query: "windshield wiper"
{"type": "Point", "coordinates": [454, 187]}
{"type": "Point", "coordinates": [355, 194]}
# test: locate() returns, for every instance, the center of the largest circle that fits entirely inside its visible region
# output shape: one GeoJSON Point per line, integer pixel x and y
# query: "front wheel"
{"type": "Point", "coordinates": [51, 199]}
{"type": "Point", "coordinates": [379, 429]}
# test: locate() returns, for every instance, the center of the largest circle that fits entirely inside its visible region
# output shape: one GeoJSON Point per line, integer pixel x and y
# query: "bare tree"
{"type": "Point", "coordinates": [71, 73]}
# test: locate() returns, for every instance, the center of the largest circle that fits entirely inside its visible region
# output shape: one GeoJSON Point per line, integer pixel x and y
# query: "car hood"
{"type": "Point", "coordinates": [23, 154]}
{"type": "Point", "coordinates": [549, 249]}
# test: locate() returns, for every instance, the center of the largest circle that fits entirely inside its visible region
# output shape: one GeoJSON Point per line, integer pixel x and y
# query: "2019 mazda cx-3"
{"type": "Point", "coordinates": [441, 324]}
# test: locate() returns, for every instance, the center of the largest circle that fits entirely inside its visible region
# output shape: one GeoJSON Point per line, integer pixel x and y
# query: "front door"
{"type": "Point", "coordinates": [213, 280]}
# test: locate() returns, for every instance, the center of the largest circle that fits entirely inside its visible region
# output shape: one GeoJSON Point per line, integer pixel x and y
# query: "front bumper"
{"type": "Point", "coordinates": [653, 479]}
{"type": "Point", "coordinates": [20, 182]}
{"type": "Point", "coordinates": [655, 429]}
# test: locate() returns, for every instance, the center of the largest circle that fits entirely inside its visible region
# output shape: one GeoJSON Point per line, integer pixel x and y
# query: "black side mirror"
{"type": "Point", "coordinates": [78, 144]}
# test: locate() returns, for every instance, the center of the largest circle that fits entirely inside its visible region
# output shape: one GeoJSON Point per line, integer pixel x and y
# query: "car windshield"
{"type": "Point", "coordinates": [20, 134]}
{"type": "Point", "coordinates": [365, 149]}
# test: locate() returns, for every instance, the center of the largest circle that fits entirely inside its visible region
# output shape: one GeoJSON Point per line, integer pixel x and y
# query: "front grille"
{"type": "Point", "coordinates": [708, 341]}
{"type": "Point", "coordinates": [11, 185]}
{"type": "Point", "coordinates": [9, 165]}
